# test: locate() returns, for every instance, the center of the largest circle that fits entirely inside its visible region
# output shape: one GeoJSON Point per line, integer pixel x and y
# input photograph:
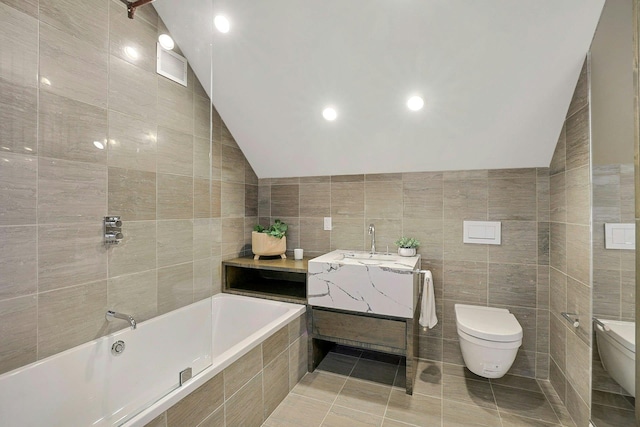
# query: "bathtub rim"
{"type": "Point", "coordinates": [164, 403]}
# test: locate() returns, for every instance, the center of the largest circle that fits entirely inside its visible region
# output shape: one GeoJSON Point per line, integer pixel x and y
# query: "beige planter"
{"type": "Point", "coordinates": [264, 245]}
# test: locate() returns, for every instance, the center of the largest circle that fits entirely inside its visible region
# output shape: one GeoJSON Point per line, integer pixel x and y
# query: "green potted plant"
{"type": "Point", "coordinates": [269, 241]}
{"type": "Point", "coordinates": [407, 246]}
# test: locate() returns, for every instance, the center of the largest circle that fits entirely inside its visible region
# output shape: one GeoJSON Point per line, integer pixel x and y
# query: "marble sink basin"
{"type": "Point", "coordinates": [364, 282]}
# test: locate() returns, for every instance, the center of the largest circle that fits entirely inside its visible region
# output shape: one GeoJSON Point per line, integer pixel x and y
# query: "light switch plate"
{"type": "Point", "coordinates": [620, 235]}
{"type": "Point", "coordinates": [482, 232]}
{"type": "Point", "coordinates": [327, 223]}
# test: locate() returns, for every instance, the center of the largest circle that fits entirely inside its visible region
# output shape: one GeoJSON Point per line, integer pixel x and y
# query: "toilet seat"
{"type": "Point", "coordinates": [488, 323]}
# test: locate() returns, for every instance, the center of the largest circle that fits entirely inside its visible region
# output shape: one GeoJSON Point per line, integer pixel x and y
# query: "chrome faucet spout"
{"type": "Point", "coordinates": [110, 315]}
{"type": "Point", "coordinates": [372, 233]}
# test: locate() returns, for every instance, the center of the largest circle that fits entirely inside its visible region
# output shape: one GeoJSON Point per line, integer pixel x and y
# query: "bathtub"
{"type": "Point", "coordinates": [617, 349]}
{"type": "Point", "coordinates": [89, 386]}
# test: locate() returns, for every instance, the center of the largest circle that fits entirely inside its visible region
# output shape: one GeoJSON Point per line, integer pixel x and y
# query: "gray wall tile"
{"type": "Point", "coordinates": [82, 259]}
{"type": "Point", "coordinates": [64, 57]}
{"type": "Point", "coordinates": [18, 189]}
{"type": "Point", "coordinates": [70, 192]}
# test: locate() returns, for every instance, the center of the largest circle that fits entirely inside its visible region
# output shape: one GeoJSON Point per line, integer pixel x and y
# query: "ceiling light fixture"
{"type": "Point", "coordinates": [166, 41]}
{"type": "Point", "coordinates": [415, 103]}
{"type": "Point", "coordinates": [99, 145]}
{"type": "Point", "coordinates": [329, 114]}
{"type": "Point", "coordinates": [222, 24]}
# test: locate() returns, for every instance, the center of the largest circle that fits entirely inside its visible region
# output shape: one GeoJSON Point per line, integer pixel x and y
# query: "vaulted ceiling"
{"type": "Point", "coordinates": [496, 77]}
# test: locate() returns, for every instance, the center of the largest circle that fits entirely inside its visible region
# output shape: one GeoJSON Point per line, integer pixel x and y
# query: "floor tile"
{"type": "Point", "coordinates": [525, 403]}
{"type": "Point", "coordinates": [345, 417]}
{"type": "Point", "coordinates": [510, 420]}
{"type": "Point", "coordinates": [337, 363]}
{"type": "Point", "coordinates": [516, 381]}
{"type": "Point", "coordinates": [418, 410]}
{"type": "Point", "coordinates": [320, 385]}
{"type": "Point", "coordinates": [558, 407]}
{"type": "Point", "coordinates": [468, 391]}
{"type": "Point", "coordinates": [445, 395]}
{"type": "Point", "coordinates": [393, 423]}
{"type": "Point", "coordinates": [456, 414]}
{"type": "Point", "coordinates": [297, 411]}
{"type": "Point", "coordinates": [606, 416]}
{"type": "Point", "coordinates": [428, 379]}
{"type": "Point", "coordinates": [378, 372]}
{"type": "Point", "coordinates": [364, 396]}
{"type": "Point", "coordinates": [461, 371]}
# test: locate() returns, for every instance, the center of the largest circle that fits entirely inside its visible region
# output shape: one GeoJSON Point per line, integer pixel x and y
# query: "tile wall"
{"type": "Point", "coordinates": [184, 197]}
{"type": "Point", "coordinates": [570, 257]}
{"type": "Point", "coordinates": [431, 207]}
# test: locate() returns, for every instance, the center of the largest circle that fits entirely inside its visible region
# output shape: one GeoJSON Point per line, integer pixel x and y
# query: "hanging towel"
{"type": "Point", "coordinates": [428, 317]}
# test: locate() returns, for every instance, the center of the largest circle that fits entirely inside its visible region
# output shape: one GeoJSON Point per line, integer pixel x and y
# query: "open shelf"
{"type": "Point", "coordinates": [281, 279]}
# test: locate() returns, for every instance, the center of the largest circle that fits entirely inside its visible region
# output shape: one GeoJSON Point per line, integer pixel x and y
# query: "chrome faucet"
{"type": "Point", "coordinates": [110, 315]}
{"type": "Point", "coordinates": [372, 233]}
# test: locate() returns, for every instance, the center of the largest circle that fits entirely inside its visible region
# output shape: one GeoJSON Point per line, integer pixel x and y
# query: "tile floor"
{"type": "Point", "coordinates": [612, 410]}
{"type": "Point", "coordinates": [352, 389]}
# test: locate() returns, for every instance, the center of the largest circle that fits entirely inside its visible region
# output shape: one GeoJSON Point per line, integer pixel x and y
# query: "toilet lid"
{"type": "Point", "coordinates": [488, 323]}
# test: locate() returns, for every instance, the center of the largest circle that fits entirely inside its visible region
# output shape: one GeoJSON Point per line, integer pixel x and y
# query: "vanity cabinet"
{"type": "Point", "coordinates": [277, 279]}
{"type": "Point", "coordinates": [385, 334]}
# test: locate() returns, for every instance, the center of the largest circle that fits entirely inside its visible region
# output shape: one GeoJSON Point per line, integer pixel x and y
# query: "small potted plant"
{"type": "Point", "coordinates": [407, 246]}
{"type": "Point", "coordinates": [269, 241]}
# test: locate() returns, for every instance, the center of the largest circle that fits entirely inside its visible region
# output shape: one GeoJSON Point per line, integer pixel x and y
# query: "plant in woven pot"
{"type": "Point", "coordinates": [407, 246]}
{"type": "Point", "coordinates": [269, 241]}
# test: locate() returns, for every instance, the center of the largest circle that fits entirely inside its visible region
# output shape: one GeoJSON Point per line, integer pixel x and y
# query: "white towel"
{"type": "Point", "coordinates": [428, 317]}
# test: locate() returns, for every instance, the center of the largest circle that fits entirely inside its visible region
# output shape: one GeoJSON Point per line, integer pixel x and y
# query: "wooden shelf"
{"type": "Point", "coordinates": [276, 278]}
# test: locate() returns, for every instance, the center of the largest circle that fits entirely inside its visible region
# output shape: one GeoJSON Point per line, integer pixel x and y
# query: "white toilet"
{"type": "Point", "coordinates": [617, 349]}
{"type": "Point", "coordinates": [489, 339]}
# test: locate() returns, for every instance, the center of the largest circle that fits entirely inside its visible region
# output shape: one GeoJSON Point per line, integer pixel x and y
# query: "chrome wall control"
{"type": "Point", "coordinates": [117, 348]}
{"type": "Point", "coordinates": [112, 230]}
{"type": "Point", "coordinates": [185, 375]}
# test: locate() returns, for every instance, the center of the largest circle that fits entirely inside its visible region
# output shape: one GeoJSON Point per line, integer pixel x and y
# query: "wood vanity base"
{"type": "Point", "coordinates": [391, 335]}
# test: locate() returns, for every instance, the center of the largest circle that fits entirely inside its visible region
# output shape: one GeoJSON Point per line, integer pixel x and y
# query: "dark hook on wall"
{"type": "Point", "coordinates": [131, 6]}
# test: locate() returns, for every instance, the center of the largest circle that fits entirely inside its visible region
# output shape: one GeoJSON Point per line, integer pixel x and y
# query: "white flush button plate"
{"type": "Point", "coordinates": [620, 236]}
{"type": "Point", "coordinates": [482, 232]}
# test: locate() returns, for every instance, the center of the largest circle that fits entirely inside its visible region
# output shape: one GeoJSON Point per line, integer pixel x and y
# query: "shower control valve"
{"type": "Point", "coordinates": [112, 230]}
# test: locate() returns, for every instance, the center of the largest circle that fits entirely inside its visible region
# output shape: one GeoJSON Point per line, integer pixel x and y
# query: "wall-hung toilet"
{"type": "Point", "coordinates": [489, 339]}
{"type": "Point", "coordinates": [617, 349]}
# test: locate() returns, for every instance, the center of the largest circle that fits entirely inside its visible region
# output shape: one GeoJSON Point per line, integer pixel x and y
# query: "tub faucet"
{"type": "Point", "coordinates": [114, 315]}
{"type": "Point", "coordinates": [372, 233]}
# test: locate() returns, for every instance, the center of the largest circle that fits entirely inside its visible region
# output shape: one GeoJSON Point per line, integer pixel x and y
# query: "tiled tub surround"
{"type": "Point", "coordinates": [431, 206]}
{"type": "Point", "coordinates": [65, 81]}
{"type": "Point", "coordinates": [227, 340]}
{"type": "Point", "coordinates": [385, 286]}
{"type": "Point", "coordinates": [570, 258]}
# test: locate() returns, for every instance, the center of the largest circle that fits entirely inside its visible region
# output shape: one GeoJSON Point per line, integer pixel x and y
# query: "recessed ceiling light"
{"type": "Point", "coordinates": [99, 145]}
{"type": "Point", "coordinates": [329, 114]}
{"type": "Point", "coordinates": [166, 41]}
{"type": "Point", "coordinates": [415, 103]}
{"type": "Point", "coordinates": [221, 23]}
{"type": "Point", "coordinates": [131, 52]}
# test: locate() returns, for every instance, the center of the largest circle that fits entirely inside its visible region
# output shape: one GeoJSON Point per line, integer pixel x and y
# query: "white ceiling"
{"type": "Point", "coordinates": [496, 75]}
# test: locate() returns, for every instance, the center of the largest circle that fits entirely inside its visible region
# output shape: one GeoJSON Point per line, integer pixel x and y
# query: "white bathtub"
{"type": "Point", "coordinates": [88, 386]}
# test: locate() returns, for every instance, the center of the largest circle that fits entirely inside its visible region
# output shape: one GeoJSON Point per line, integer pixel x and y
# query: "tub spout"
{"type": "Point", "coordinates": [114, 315]}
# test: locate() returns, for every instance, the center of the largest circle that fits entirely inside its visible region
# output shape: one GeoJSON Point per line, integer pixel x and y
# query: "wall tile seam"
{"type": "Point", "coordinates": [31, 295]}
{"type": "Point", "coordinates": [91, 282]}
{"type": "Point", "coordinates": [54, 159]}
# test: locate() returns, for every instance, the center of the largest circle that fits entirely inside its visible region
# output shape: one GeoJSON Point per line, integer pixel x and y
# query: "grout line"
{"type": "Point", "coordinates": [341, 388]}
